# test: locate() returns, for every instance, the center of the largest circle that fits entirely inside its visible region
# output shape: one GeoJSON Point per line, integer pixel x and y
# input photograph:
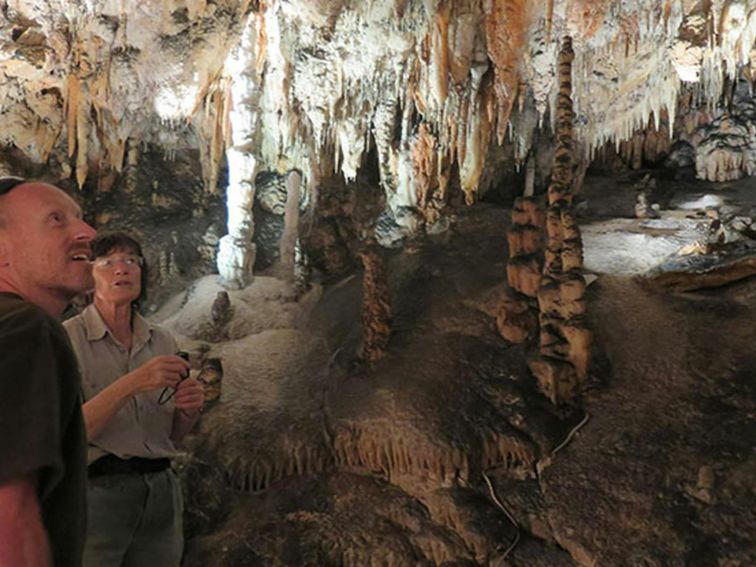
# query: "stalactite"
{"type": "Point", "coordinates": [82, 138]}
{"type": "Point", "coordinates": [376, 307]}
{"type": "Point", "coordinates": [439, 54]}
{"type": "Point", "coordinates": [455, 66]}
{"type": "Point", "coordinates": [507, 25]}
{"type": "Point", "coordinates": [427, 174]}
{"type": "Point", "coordinates": [477, 136]}
{"type": "Point", "coordinates": [70, 110]}
{"type": "Point", "coordinates": [132, 163]}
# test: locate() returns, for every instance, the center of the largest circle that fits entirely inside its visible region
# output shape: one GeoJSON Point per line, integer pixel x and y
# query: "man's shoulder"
{"type": "Point", "coordinates": [23, 316]}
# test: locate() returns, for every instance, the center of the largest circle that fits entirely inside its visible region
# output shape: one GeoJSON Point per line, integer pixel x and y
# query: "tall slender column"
{"type": "Point", "coordinates": [376, 308]}
{"type": "Point", "coordinates": [236, 254]}
{"type": "Point", "coordinates": [564, 338]}
{"type": "Point", "coordinates": [288, 242]}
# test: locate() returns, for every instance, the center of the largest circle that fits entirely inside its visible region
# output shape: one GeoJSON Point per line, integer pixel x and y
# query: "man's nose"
{"type": "Point", "coordinates": [84, 232]}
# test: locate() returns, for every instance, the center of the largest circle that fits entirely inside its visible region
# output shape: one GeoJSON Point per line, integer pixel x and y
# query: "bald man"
{"type": "Point", "coordinates": [44, 263]}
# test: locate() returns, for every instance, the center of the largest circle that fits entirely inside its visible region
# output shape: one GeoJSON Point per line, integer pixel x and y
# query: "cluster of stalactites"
{"type": "Point", "coordinates": [432, 91]}
{"type": "Point", "coordinates": [628, 86]}
{"type": "Point", "coordinates": [429, 85]}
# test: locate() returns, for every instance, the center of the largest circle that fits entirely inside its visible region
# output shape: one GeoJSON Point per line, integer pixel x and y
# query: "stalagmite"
{"type": "Point", "coordinates": [564, 341]}
{"type": "Point", "coordinates": [288, 242]}
{"type": "Point", "coordinates": [517, 320]}
{"type": "Point", "coordinates": [376, 307]}
{"type": "Point", "coordinates": [563, 361]}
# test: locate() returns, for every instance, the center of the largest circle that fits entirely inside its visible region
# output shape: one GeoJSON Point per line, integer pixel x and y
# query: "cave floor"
{"type": "Point", "coordinates": [445, 453]}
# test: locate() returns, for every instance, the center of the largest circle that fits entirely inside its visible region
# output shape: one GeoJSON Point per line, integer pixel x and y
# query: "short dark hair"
{"type": "Point", "coordinates": [8, 183]}
{"type": "Point", "coordinates": [104, 244]}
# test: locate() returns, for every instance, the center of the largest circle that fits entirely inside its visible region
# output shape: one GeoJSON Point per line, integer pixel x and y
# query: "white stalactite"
{"type": "Point", "coordinates": [313, 82]}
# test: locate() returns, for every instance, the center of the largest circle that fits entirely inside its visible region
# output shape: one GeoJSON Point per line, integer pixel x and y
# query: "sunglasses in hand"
{"type": "Point", "coordinates": [169, 392]}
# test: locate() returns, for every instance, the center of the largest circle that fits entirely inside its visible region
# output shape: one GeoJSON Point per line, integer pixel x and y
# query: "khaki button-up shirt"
{"type": "Point", "coordinates": [142, 427]}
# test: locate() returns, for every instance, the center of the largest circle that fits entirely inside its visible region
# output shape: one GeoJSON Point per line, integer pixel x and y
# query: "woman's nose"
{"type": "Point", "coordinates": [121, 267]}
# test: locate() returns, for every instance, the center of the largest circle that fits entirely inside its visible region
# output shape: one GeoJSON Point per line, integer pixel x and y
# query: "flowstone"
{"type": "Point", "coordinates": [358, 465]}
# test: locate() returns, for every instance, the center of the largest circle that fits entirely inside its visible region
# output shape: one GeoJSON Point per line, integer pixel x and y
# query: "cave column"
{"type": "Point", "coordinates": [562, 364]}
{"type": "Point", "coordinates": [288, 244]}
{"type": "Point", "coordinates": [376, 306]}
{"type": "Point", "coordinates": [236, 253]}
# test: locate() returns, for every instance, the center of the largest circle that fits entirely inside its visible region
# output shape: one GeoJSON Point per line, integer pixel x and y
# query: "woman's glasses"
{"type": "Point", "coordinates": [109, 262]}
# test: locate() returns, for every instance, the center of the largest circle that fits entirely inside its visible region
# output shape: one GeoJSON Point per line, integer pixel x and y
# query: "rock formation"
{"type": "Point", "coordinates": [548, 267]}
{"type": "Point", "coordinates": [428, 86]}
{"type": "Point", "coordinates": [376, 307]}
{"type": "Point", "coordinates": [268, 150]}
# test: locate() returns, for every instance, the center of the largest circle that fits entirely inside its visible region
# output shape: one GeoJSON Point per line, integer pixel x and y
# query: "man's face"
{"type": "Point", "coordinates": [44, 243]}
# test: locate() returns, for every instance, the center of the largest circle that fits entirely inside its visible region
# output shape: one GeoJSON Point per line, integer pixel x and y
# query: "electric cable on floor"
{"type": "Point", "coordinates": [571, 434]}
{"type": "Point", "coordinates": [503, 508]}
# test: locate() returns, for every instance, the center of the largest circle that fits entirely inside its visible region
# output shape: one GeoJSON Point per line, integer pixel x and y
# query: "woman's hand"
{"type": "Point", "coordinates": [190, 395]}
{"type": "Point", "coordinates": [159, 372]}
{"type": "Point", "coordinates": [188, 402]}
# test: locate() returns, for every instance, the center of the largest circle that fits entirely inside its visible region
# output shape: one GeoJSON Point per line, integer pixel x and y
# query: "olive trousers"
{"type": "Point", "coordinates": [134, 521]}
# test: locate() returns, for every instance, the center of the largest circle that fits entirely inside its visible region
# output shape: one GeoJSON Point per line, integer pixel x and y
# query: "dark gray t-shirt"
{"type": "Point", "coordinates": [41, 424]}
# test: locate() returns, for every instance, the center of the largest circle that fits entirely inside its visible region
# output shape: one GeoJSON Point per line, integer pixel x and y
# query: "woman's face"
{"type": "Point", "coordinates": [117, 277]}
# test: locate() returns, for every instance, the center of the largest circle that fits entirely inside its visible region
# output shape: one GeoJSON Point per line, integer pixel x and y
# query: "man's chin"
{"type": "Point", "coordinates": [82, 287]}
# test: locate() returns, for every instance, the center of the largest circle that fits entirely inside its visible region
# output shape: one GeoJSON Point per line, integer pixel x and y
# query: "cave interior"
{"type": "Point", "coordinates": [474, 279]}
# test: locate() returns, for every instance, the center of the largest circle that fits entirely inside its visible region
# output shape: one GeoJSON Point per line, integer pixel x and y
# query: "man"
{"type": "Point", "coordinates": [44, 262]}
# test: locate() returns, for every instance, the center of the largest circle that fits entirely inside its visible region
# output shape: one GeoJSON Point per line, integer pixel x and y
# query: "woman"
{"type": "Point", "coordinates": [135, 503]}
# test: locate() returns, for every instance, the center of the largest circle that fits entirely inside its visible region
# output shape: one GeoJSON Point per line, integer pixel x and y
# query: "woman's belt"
{"type": "Point", "coordinates": [110, 464]}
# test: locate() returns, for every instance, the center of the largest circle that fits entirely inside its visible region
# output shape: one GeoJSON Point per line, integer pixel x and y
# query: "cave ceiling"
{"type": "Point", "coordinates": [316, 85]}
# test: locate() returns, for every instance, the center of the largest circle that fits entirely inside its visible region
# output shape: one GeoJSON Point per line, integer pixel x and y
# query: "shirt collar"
{"type": "Point", "coordinates": [97, 329]}
{"type": "Point", "coordinates": [142, 331]}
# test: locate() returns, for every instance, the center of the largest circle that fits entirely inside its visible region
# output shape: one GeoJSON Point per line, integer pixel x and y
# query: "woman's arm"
{"type": "Point", "coordinates": [190, 397]}
{"type": "Point", "coordinates": [159, 372]}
